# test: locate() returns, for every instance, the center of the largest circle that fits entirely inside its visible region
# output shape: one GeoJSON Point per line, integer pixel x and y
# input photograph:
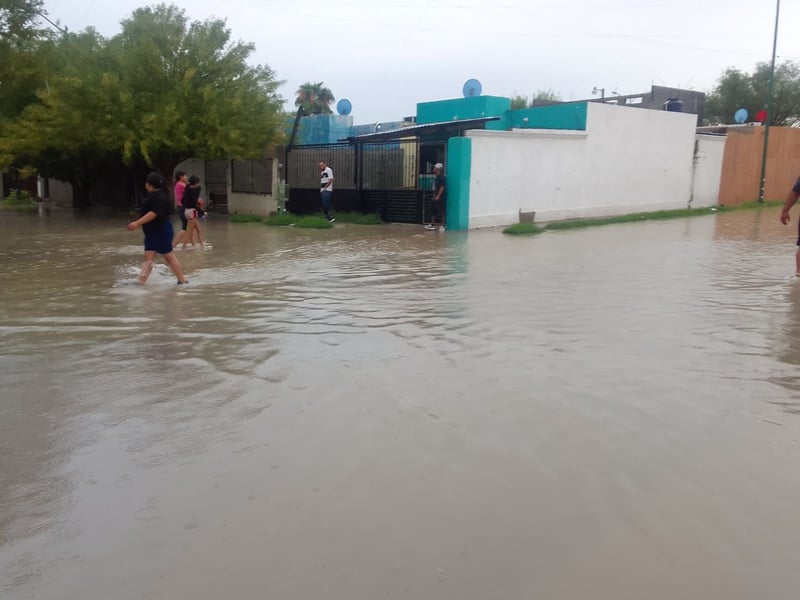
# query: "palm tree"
{"type": "Point", "coordinates": [314, 98]}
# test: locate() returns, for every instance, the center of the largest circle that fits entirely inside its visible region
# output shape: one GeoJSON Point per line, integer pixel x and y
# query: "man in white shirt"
{"type": "Point", "coordinates": [326, 189]}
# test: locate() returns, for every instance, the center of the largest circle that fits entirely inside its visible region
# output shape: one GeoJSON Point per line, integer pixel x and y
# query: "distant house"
{"type": "Point", "coordinates": [562, 160]}
{"type": "Point", "coordinates": [659, 97]}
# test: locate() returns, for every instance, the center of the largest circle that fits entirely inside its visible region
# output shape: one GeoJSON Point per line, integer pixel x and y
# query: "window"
{"type": "Point", "coordinates": [251, 176]}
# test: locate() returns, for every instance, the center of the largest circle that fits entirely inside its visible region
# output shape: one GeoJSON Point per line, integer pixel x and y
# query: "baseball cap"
{"type": "Point", "coordinates": [438, 166]}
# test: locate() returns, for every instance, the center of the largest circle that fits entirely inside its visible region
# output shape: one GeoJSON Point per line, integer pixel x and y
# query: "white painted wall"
{"type": "Point", "coordinates": [628, 160]}
{"type": "Point", "coordinates": [707, 170]}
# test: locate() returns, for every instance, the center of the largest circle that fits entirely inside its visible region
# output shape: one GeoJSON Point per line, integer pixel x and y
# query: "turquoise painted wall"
{"type": "Point", "coordinates": [322, 129]}
{"type": "Point", "coordinates": [554, 116]}
{"type": "Point", "coordinates": [458, 171]}
{"type": "Point", "coordinates": [463, 108]}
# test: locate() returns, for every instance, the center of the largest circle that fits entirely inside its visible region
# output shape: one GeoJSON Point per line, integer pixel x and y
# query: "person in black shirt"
{"type": "Point", "coordinates": [154, 221]}
{"type": "Point", "coordinates": [191, 207]}
{"type": "Point", "coordinates": [439, 204]}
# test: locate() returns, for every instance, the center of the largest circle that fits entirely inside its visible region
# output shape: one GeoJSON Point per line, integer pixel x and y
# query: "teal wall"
{"type": "Point", "coordinates": [459, 169]}
{"type": "Point", "coordinates": [322, 129]}
{"type": "Point", "coordinates": [553, 116]}
{"type": "Point", "coordinates": [463, 108]}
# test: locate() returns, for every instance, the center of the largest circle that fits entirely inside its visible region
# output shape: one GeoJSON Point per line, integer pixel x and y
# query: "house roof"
{"type": "Point", "coordinates": [450, 128]}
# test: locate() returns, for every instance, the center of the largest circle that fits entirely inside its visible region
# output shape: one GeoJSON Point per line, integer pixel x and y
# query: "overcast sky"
{"type": "Point", "coordinates": [387, 55]}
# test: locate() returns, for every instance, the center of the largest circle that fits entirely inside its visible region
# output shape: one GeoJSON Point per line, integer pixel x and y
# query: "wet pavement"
{"type": "Point", "coordinates": [384, 412]}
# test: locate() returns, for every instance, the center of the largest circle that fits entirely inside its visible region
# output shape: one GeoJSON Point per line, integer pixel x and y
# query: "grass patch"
{"type": "Point", "coordinates": [281, 220]}
{"type": "Point", "coordinates": [357, 218]}
{"type": "Point", "coordinates": [523, 229]}
{"type": "Point", "coordinates": [313, 222]}
{"type": "Point", "coordinates": [246, 219]}
{"type": "Point", "coordinates": [657, 215]}
{"type": "Point", "coordinates": [660, 215]}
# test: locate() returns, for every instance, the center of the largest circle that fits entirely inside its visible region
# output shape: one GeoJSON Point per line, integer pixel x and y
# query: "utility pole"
{"type": "Point", "coordinates": [770, 90]}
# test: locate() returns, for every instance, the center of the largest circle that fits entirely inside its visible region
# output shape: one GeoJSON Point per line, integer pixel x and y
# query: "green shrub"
{"type": "Point", "coordinates": [313, 222]}
{"type": "Point", "coordinates": [357, 218]}
{"type": "Point", "coordinates": [281, 220]}
{"type": "Point", "coordinates": [523, 229]}
{"type": "Point", "coordinates": [18, 199]}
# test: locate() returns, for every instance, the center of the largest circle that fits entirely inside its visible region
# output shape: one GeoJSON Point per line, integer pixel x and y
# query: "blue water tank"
{"type": "Point", "coordinates": [673, 105]}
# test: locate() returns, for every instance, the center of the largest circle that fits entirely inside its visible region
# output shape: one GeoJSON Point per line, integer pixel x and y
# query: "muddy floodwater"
{"type": "Point", "coordinates": [380, 412]}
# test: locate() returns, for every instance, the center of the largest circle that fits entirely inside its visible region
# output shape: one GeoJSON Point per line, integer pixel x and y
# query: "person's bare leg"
{"type": "Point", "coordinates": [173, 263]}
{"type": "Point", "coordinates": [181, 236]}
{"type": "Point", "coordinates": [188, 237]}
{"type": "Point", "coordinates": [199, 230]}
{"type": "Point", "coordinates": [147, 266]}
{"type": "Point", "coordinates": [797, 263]}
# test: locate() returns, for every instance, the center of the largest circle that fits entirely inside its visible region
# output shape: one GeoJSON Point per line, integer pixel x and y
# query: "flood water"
{"type": "Point", "coordinates": [384, 412]}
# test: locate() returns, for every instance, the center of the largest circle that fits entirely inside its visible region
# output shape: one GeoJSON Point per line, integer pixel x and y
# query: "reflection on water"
{"type": "Point", "coordinates": [385, 412]}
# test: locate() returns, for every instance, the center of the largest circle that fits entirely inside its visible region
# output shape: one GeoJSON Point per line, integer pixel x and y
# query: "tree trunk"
{"type": "Point", "coordinates": [80, 193]}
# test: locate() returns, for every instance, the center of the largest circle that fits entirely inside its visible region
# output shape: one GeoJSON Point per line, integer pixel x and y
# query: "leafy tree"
{"type": "Point", "coordinates": [189, 92]}
{"type": "Point", "coordinates": [736, 89]}
{"type": "Point", "coordinates": [72, 132]}
{"type": "Point", "coordinates": [539, 98]}
{"type": "Point", "coordinates": [161, 91]}
{"type": "Point", "coordinates": [518, 102]}
{"type": "Point", "coordinates": [21, 65]}
{"type": "Point", "coordinates": [545, 97]}
{"type": "Point", "coordinates": [315, 98]}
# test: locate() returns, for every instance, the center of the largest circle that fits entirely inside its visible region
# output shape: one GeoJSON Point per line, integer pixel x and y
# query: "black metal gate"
{"type": "Point", "coordinates": [389, 179]}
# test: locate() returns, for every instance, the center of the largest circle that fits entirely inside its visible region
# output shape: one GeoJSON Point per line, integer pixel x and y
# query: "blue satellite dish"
{"type": "Point", "coordinates": [472, 87]}
{"type": "Point", "coordinates": [343, 107]}
{"type": "Point", "coordinates": [741, 115]}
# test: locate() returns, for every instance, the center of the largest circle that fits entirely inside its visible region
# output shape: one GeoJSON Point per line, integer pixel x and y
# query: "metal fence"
{"type": "Point", "coordinates": [381, 178]}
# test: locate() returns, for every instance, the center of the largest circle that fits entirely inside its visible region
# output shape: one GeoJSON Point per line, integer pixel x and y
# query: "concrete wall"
{"type": "Point", "coordinates": [709, 151]}
{"type": "Point", "coordinates": [253, 204]}
{"type": "Point", "coordinates": [626, 161]}
{"type": "Point", "coordinates": [238, 203]}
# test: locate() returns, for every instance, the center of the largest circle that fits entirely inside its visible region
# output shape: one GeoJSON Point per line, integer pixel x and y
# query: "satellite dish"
{"type": "Point", "coordinates": [378, 126]}
{"type": "Point", "coordinates": [472, 87]}
{"type": "Point", "coordinates": [344, 106]}
{"type": "Point", "coordinates": [740, 116]}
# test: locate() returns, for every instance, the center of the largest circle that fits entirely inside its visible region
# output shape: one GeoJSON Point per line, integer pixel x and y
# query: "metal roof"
{"type": "Point", "coordinates": [454, 128]}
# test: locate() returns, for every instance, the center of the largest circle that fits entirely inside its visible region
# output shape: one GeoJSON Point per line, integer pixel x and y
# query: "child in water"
{"type": "Point", "coordinates": [154, 221]}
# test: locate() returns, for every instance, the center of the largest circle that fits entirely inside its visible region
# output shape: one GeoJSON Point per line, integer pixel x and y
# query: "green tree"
{"type": "Point", "coordinates": [315, 98]}
{"type": "Point", "coordinates": [72, 132]}
{"type": "Point", "coordinates": [21, 65]}
{"type": "Point", "coordinates": [189, 92]}
{"type": "Point", "coordinates": [736, 89]}
{"type": "Point", "coordinates": [545, 97]}
{"type": "Point", "coordinates": [518, 102]}
{"type": "Point", "coordinates": [539, 98]}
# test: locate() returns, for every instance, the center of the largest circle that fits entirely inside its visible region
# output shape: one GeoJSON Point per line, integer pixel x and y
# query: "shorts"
{"type": "Point", "coordinates": [190, 214]}
{"type": "Point", "coordinates": [438, 208]}
{"type": "Point", "coordinates": [184, 222]}
{"type": "Point", "coordinates": [160, 241]}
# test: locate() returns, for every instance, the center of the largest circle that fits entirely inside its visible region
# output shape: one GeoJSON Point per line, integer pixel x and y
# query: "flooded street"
{"type": "Point", "coordinates": [383, 412]}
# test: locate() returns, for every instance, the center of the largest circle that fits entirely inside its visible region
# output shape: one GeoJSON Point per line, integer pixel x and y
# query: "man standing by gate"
{"type": "Point", "coordinates": [438, 206]}
{"type": "Point", "coordinates": [326, 189]}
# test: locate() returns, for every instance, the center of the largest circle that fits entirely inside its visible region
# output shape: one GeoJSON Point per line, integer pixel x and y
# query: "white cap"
{"type": "Point", "coordinates": [438, 166]}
